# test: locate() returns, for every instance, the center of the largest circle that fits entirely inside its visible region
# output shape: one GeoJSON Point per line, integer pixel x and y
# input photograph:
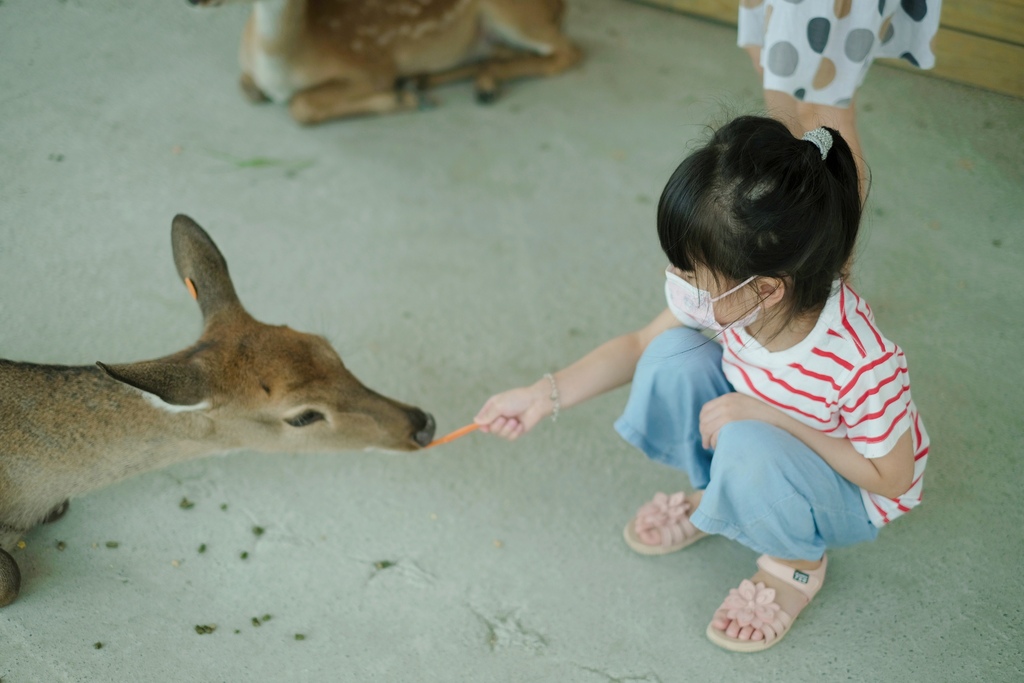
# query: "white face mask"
{"type": "Point", "coordinates": [688, 302]}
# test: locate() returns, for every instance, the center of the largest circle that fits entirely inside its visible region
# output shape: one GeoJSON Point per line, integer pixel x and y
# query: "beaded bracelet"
{"type": "Point", "coordinates": [555, 398]}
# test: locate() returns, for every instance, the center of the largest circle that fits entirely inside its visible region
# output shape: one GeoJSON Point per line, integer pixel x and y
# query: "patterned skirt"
{"type": "Point", "coordinates": [820, 50]}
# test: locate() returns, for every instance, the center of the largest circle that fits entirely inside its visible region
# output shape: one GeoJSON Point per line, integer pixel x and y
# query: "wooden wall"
{"type": "Point", "coordinates": [980, 42]}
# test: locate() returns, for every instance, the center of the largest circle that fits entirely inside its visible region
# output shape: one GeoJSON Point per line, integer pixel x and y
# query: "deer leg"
{"type": "Point", "coordinates": [10, 579]}
{"type": "Point", "coordinates": [564, 54]}
{"type": "Point", "coordinates": [421, 83]}
{"type": "Point", "coordinates": [426, 81]}
{"type": "Point", "coordinates": [252, 91]}
{"type": "Point", "coordinates": [338, 100]}
{"type": "Point", "coordinates": [463, 71]}
{"type": "Point", "coordinates": [432, 80]}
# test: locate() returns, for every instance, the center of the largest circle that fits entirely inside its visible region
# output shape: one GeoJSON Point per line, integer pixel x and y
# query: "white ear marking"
{"type": "Point", "coordinates": [157, 402]}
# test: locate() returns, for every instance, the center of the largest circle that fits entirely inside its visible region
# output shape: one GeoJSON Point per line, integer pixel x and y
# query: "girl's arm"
{"type": "Point", "coordinates": [515, 412]}
{"type": "Point", "coordinates": [890, 475]}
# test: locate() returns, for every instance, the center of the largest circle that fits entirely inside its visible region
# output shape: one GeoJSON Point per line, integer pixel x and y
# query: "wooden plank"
{"type": "Point", "coordinates": [973, 60]}
{"type": "Point", "coordinates": [1000, 19]}
{"type": "Point", "coordinates": [719, 10]}
{"type": "Point", "coordinates": [963, 57]}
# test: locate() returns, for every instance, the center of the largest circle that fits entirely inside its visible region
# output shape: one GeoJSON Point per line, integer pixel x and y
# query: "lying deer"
{"type": "Point", "coordinates": [244, 385]}
{"type": "Point", "coordinates": [336, 58]}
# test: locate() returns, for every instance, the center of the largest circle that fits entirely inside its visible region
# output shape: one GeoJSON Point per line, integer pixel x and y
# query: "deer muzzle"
{"type": "Point", "coordinates": [424, 425]}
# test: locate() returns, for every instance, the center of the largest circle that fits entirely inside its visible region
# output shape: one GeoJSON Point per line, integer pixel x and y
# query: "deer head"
{"type": "Point", "coordinates": [264, 387]}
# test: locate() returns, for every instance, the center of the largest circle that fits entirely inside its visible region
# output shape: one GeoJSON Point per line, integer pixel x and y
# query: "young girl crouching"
{"type": "Point", "coordinates": [794, 421]}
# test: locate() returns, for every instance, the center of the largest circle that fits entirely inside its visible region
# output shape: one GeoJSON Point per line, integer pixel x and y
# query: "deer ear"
{"type": "Point", "coordinates": [175, 383]}
{"type": "Point", "coordinates": [202, 267]}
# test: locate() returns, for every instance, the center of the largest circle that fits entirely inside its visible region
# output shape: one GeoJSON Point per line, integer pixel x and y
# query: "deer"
{"type": "Point", "coordinates": [331, 59]}
{"type": "Point", "coordinates": [243, 386]}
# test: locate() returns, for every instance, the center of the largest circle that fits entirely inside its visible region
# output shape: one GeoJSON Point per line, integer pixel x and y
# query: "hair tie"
{"type": "Point", "coordinates": [821, 138]}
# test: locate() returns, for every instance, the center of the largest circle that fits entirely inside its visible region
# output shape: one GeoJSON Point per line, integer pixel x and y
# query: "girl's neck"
{"type": "Point", "coordinates": [777, 333]}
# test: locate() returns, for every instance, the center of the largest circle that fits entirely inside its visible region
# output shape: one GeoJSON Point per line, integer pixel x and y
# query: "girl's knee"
{"type": "Point", "coordinates": [679, 372]}
{"type": "Point", "coordinates": [741, 435]}
{"type": "Point", "coordinates": [750, 448]}
{"type": "Point", "coordinates": [682, 357]}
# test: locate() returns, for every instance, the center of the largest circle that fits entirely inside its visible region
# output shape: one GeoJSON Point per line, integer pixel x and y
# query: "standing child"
{"type": "Point", "coordinates": [795, 423]}
{"type": "Point", "coordinates": [812, 55]}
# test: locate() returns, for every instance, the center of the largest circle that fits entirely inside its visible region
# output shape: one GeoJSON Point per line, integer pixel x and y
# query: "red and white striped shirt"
{"type": "Point", "coordinates": [844, 379]}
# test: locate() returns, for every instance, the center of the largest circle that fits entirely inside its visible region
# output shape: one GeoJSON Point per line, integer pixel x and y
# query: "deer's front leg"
{"type": "Point", "coordinates": [564, 54]}
{"type": "Point", "coordinates": [486, 86]}
{"type": "Point", "coordinates": [336, 100]}
{"type": "Point", "coordinates": [251, 90]}
{"type": "Point", "coordinates": [10, 579]}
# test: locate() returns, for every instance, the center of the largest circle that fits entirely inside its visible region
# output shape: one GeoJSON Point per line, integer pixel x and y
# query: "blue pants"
{"type": "Point", "coordinates": [762, 486]}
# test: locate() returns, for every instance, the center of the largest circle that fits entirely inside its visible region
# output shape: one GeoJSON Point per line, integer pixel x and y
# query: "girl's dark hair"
{"type": "Point", "coordinates": [757, 201]}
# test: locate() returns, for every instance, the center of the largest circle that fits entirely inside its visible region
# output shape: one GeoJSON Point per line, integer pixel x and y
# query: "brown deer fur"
{"type": "Point", "coordinates": [336, 58]}
{"type": "Point", "coordinates": [243, 385]}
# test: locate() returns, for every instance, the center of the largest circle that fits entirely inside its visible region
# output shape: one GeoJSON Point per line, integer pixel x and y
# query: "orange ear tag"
{"type": "Point", "coordinates": [191, 288]}
{"type": "Point", "coordinates": [458, 433]}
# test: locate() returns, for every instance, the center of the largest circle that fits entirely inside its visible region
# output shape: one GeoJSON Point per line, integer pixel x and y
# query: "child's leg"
{"type": "Point", "coordinates": [679, 372]}
{"type": "Point", "coordinates": [779, 105]}
{"type": "Point", "coordinates": [801, 117]}
{"type": "Point", "coordinates": [773, 494]}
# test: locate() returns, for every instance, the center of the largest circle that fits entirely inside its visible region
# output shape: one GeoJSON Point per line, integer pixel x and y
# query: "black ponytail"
{"type": "Point", "coordinates": [757, 201]}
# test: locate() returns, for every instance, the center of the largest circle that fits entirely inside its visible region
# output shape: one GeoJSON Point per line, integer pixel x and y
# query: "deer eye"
{"type": "Point", "coordinates": [305, 418]}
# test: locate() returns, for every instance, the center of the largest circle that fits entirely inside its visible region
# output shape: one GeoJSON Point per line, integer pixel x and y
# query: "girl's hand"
{"type": "Point", "coordinates": [512, 413]}
{"type": "Point", "coordinates": [727, 408]}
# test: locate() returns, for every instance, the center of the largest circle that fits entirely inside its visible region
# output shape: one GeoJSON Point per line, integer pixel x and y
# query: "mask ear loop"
{"type": "Point", "coordinates": [766, 311]}
{"type": "Point", "coordinates": [735, 289]}
{"type": "Point", "coordinates": [668, 271]}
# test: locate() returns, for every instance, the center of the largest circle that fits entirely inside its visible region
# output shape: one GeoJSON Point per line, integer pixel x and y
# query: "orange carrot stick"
{"type": "Point", "coordinates": [468, 429]}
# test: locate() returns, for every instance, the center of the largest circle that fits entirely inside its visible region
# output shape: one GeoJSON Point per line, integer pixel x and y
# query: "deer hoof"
{"type": "Point", "coordinates": [57, 512]}
{"type": "Point", "coordinates": [10, 579]}
{"type": "Point", "coordinates": [411, 93]}
{"type": "Point", "coordinates": [487, 89]}
{"type": "Point", "coordinates": [426, 102]}
{"type": "Point", "coordinates": [418, 83]}
{"type": "Point", "coordinates": [486, 96]}
{"type": "Point", "coordinates": [252, 91]}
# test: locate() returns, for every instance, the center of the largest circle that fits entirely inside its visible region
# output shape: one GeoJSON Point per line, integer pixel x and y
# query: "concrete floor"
{"type": "Point", "coordinates": [450, 254]}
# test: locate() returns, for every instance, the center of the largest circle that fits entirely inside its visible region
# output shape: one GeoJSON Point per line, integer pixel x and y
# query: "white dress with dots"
{"type": "Point", "coordinates": [819, 50]}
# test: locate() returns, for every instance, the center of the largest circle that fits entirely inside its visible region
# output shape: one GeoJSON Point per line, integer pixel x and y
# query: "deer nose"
{"type": "Point", "coordinates": [425, 425]}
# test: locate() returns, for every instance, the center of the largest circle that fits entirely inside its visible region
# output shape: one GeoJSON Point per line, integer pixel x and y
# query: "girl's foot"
{"type": "Point", "coordinates": [663, 525]}
{"type": "Point", "coordinates": [759, 613]}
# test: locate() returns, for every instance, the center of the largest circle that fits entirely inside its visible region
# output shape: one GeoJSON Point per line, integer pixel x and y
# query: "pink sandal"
{"type": "Point", "coordinates": [662, 526]}
{"type": "Point", "coordinates": [754, 605]}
